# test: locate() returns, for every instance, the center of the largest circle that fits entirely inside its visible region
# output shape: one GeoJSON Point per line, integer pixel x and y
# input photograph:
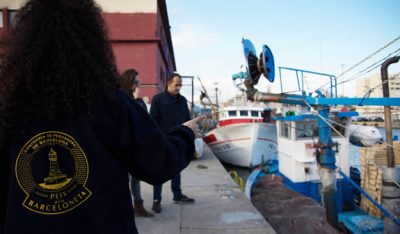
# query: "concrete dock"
{"type": "Point", "coordinates": [220, 206]}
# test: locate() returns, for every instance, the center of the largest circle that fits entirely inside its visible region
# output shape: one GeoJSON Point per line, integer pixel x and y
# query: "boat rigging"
{"type": "Point", "coordinates": [318, 105]}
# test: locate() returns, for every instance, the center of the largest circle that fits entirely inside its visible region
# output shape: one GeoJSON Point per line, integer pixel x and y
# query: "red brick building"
{"type": "Point", "coordinates": [139, 32]}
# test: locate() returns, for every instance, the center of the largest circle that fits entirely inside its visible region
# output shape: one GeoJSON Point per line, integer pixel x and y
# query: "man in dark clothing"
{"type": "Point", "coordinates": [169, 109]}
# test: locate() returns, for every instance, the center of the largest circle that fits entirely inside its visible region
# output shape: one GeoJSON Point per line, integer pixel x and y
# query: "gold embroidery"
{"type": "Point", "coordinates": [62, 188]}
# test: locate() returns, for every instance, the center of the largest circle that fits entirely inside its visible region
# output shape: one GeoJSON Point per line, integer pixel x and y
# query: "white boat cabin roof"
{"type": "Point", "coordinates": [232, 112]}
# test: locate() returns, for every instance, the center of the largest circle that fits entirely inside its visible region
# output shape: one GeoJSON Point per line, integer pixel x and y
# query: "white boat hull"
{"type": "Point", "coordinates": [244, 144]}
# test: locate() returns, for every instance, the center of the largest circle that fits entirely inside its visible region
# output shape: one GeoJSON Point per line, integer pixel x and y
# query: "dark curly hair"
{"type": "Point", "coordinates": [58, 63]}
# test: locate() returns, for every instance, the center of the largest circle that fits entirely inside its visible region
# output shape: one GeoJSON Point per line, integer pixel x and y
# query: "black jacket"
{"type": "Point", "coordinates": [169, 111]}
{"type": "Point", "coordinates": [141, 103]}
{"type": "Point", "coordinates": [71, 176]}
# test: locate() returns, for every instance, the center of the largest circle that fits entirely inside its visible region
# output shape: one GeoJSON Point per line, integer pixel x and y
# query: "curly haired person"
{"type": "Point", "coordinates": [68, 135]}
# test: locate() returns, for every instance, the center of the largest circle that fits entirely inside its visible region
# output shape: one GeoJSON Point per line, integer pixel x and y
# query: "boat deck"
{"type": "Point", "coordinates": [220, 206]}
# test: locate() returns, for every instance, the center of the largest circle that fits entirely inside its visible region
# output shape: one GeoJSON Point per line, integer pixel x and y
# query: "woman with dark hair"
{"type": "Point", "coordinates": [129, 82]}
{"type": "Point", "coordinates": [68, 135]}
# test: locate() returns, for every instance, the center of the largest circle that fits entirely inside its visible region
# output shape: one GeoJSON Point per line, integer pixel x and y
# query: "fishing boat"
{"type": "Point", "coordinates": [313, 147]}
{"type": "Point", "coordinates": [299, 166]}
{"type": "Point", "coordinates": [245, 135]}
{"type": "Point", "coordinates": [299, 169]}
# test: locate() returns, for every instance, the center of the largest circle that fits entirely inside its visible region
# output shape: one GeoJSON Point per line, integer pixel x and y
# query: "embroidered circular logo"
{"type": "Point", "coordinates": [52, 170]}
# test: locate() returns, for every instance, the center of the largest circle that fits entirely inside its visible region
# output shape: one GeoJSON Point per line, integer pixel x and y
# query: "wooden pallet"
{"type": "Point", "coordinates": [372, 158]}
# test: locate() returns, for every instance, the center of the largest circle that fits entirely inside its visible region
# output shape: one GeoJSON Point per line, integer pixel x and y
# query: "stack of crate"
{"type": "Point", "coordinates": [372, 158]}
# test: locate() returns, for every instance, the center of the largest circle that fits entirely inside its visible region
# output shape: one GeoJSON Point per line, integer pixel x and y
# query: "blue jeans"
{"type": "Point", "coordinates": [135, 189]}
{"type": "Point", "coordinates": [175, 187]}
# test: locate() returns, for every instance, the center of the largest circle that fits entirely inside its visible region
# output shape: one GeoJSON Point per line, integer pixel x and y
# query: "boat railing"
{"type": "Point", "coordinates": [302, 83]}
{"type": "Point", "coordinates": [383, 209]}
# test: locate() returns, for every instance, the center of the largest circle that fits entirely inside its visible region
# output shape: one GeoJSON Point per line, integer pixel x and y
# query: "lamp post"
{"type": "Point", "coordinates": [216, 99]}
{"type": "Point", "coordinates": [216, 93]}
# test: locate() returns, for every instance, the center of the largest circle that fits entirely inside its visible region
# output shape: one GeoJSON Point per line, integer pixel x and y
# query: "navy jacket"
{"type": "Point", "coordinates": [169, 111]}
{"type": "Point", "coordinates": [141, 103]}
{"type": "Point", "coordinates": [71, 176]}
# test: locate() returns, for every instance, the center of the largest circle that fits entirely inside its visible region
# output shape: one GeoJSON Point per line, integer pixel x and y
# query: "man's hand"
{"type": "Point", "coordinates": [193, 124]}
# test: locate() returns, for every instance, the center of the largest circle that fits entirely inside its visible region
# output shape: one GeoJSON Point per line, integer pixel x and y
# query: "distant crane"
{"type": "Point", "coordinates": [214, 106]}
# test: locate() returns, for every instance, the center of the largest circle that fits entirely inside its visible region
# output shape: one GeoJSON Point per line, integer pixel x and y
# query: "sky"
{"type": "Point", "coordinates": [321, 36]}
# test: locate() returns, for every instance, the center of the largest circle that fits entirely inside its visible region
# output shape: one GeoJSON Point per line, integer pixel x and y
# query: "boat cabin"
{"type": "Point", "coordinates": [245, 114]}
{"type": "Point", "coordinates": [298, 162]}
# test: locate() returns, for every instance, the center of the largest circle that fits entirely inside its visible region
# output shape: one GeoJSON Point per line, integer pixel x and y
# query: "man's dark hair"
{"type": "Point", "coordinates": [57, 64]}
{"type": "Point", "coordinates": [171, 77]}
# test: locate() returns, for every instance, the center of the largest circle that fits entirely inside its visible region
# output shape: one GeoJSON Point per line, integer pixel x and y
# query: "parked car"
{"type": "Point", "coordinates": [378, 119]}
{"type": "Point", "coordinates": [362, 119]}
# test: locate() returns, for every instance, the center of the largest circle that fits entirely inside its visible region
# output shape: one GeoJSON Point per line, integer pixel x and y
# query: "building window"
{"type": "Point", "coordinates": [11, 17]}
{"type": "Point", "coordinates": [162, 78]}
{"type": "Point", "coordinates": [1, 19]}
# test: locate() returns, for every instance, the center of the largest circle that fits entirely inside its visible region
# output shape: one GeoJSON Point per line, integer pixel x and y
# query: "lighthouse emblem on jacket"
{"type": "Point", "coordinates": [52, 170]}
